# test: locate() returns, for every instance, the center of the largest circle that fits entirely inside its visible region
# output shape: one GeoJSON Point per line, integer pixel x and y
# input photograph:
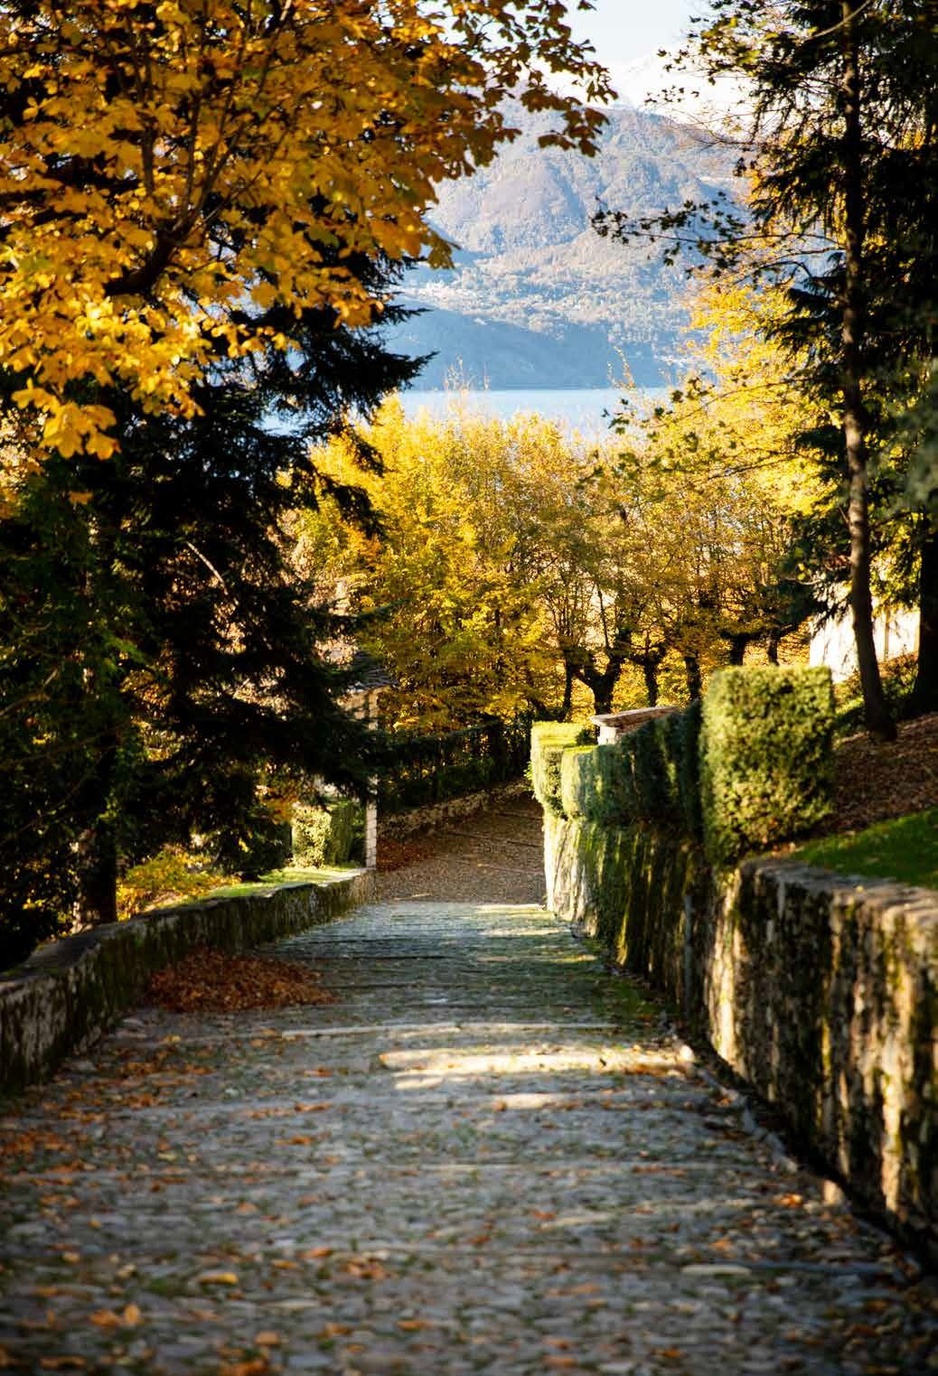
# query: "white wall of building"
{"type": "Point", "coordinates": [895, 633]}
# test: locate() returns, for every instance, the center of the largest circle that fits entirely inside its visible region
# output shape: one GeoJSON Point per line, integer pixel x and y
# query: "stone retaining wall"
{"type": "Point", "coordinates": [399, 826]}
{"type": "Point", "coordinates": [70, 992]}
{"type": "Point", "coordinates": [821, 991]}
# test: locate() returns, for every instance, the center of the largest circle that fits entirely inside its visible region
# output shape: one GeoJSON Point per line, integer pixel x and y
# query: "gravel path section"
{"type": "Point", "coordinates": [488, 1154]}
{"type": "Point", "coordinates": [496, 856]}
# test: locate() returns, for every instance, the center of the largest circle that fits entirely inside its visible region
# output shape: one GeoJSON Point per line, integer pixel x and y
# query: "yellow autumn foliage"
{"type": "Point", "coordinates": [186, 176]}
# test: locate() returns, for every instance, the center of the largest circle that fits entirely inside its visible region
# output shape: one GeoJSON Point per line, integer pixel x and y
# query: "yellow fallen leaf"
{"type": "Point", "coordinates": [131, 1316]}
{"type": "Point", "coordinates": [217, 1278]}
{"type": "Point", "coordinates": [106, 1318]}
{"type": "Point", "coordinates": [267, 1339]}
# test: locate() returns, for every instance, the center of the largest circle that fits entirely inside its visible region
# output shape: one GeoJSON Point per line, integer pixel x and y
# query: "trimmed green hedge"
{"type": "Point", "coordinates": [549, 740]}
{"type": "Point", "coordinates": [594, 786]}
{"type": "Point", "coordinates": [326, 834]}
{"type": "Point", "coordinates": [766, 757]}
{"type": "Point", "coordinates": [751, 767]}
{"type": "Point", "coordinates": [664, 757]}
{"type": "Point", "coordinates": [650, 775]}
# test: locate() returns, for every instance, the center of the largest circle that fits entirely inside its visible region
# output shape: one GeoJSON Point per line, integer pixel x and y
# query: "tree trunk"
{"type": "Point", "coordinates": [693, 677]}
{"type": "Point", "coordinates": [925, 692]}
{"type": "Point", "coordinates": [568, 677]}
{"type": "Point", "coordinates": [738, 645]}
{"type": "Point", "coordinates": [650, 675]}
{"type": "Point", "coordinates": [876, 712]}
{"type": "Point", "coordinates": [97, 875]}
{"type": "Point", "coordinates": [602, 688]}
{"type": "Point", "coordinates": [771, 646]}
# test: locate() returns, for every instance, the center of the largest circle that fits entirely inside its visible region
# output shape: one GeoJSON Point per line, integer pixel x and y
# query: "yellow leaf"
{"type": "Point", "coordinates": [106, 1318]}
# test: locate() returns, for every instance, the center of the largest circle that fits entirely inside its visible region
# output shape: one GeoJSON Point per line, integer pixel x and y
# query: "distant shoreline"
{"type": "Point", "coordinates": [587, 409]}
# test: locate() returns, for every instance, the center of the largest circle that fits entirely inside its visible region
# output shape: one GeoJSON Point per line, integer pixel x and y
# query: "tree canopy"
{"type": "Point", "coordinates": [188, 173]}
{"type": "Point", "coordinates": [839, 156]}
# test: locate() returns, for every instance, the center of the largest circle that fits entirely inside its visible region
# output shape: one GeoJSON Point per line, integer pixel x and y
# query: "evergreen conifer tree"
{"type": "Point", "coordinates": [163, 665]}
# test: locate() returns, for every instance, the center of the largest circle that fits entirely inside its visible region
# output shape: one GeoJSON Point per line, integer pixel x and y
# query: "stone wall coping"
{"type": "Point", "coordinates": [883, 894]}
{"type": "Point", "coordinates": [614, 724]}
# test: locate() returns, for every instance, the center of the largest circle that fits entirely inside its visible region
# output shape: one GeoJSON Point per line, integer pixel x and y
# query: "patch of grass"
{"type": "Point", "coordinates": [285, 876]}
{"type": "Point", "coordinates": [903, 848]}
{"type": "Point", "coordinates": [266, 881]}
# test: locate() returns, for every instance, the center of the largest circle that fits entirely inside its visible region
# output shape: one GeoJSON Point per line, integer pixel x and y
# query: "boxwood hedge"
{"type": "Point", "coordinates": [766, 754]}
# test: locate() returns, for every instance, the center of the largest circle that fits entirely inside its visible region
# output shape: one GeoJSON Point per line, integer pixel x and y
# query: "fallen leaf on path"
{"type": "Point", "coordinates": [217, 1278]}
{"type": "Point", "coordinates": [208, 981]}
{"type": "Point", "coordinates": [106, 1318]}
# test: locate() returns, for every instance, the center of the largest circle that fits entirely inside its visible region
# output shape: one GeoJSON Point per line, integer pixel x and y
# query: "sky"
{"type": "Point", "coordinates": [628, 33]}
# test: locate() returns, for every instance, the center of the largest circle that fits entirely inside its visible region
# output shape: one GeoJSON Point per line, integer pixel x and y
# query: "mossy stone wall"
{"type": "Point", "coordinates": [821, 991]}
{"type": "Point", "coordinates": [68, 993]}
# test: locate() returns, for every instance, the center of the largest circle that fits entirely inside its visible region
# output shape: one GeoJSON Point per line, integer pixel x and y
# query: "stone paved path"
{"type": "Point", "coordinates": [487, 1155]}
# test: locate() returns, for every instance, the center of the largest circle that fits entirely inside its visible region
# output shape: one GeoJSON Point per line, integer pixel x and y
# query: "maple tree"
{"type": "Point", "coordinates": [184, 177]}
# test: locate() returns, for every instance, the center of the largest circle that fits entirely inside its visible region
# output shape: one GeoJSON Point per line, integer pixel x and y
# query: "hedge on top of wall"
{"type": "Point", "coordinates": [766, 753]}
{"type": "Point", "coordinates": [649, 776]}
{"type": "Point", "coordinates": [750, 767]}
{"type": "Point", "coordinates": [549, 740]}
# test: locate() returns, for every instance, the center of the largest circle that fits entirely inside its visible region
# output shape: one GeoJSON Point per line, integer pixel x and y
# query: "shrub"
{"type": "Point", "coordinates": [766, 757]}
{"type": "Point", "coordinates": [431, 769]}
{"type": "Point", "coordinates": [549, 739]}
{"type": "Point", "coordinates": [170, 876]}
{"type": "Point", "coordinates": [595, 784]}
{"type": "Point", "coordinates": [678, 769]}
{"type": "Point", "coordinates": [325, 834]}
{"type": "Point", "coordinates": [898, 677]}
{"type": "Point", "coordinates": [649, 776]}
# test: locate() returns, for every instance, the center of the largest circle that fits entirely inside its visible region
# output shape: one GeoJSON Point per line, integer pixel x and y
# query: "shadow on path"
{"type": "Point", "coordinates": [487, 1155]}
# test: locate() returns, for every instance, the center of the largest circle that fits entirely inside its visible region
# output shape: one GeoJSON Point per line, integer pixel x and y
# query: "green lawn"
{"type": "Point", "coordinates": [905, 848]}
{"type": "Point", "coordinates": [286, 876]}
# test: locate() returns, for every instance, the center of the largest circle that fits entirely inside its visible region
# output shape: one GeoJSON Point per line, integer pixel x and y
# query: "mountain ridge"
{"type": "Point", "coordinates": [535, 296]}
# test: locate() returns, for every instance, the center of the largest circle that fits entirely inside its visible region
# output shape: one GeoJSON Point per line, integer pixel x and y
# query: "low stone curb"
{"type": "Point", "coordinates": [400, 826]}
{"type": "Point", "coordinates": [72, 991]}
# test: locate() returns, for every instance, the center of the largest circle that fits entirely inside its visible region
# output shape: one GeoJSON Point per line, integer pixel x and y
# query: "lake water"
{"type": "Point", "coordinates": [587, 410]}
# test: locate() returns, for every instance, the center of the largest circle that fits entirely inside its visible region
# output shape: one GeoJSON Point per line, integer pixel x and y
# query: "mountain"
{"type": "Point", "coordinates": [535, 298]}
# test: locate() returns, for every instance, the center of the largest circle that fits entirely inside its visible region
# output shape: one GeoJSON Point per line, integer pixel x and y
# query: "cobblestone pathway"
{"type": "Point", "coordinates": [487, 1155]}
